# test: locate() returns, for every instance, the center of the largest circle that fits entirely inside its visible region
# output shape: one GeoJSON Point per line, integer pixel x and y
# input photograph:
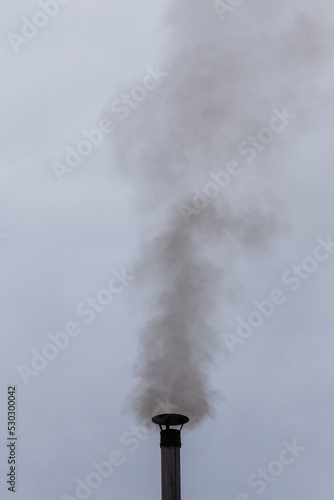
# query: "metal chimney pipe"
{"type": "Point", "coordinates": [170, 444]}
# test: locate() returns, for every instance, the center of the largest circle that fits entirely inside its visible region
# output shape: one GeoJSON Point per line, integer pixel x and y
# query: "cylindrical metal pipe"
{"type": "Point", "coordinates": [170, 444]}
{"type": "Point", "coordinates": [170, 465]}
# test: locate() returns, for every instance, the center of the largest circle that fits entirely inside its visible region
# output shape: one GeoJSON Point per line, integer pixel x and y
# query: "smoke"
{"type": "Point", "coordinates": [227, 79]}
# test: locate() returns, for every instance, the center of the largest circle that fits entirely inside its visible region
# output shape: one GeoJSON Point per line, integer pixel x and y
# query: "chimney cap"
{"type": "Point", "coordinates": [170, 419]}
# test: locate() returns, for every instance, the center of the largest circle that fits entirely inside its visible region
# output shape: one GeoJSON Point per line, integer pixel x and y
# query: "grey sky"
{"type": "Point", "coordinates": [82, 247]}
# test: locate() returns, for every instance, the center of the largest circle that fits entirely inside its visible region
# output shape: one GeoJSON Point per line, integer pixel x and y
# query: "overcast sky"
{"type": "Point", "coordinates": [122, 121]}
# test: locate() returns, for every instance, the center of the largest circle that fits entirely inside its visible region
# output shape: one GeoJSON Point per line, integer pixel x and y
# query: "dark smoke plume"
{"type": "Point", "coordinates": [225, 78]}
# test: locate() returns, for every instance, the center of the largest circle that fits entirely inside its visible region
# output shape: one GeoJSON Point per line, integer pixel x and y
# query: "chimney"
{"type": "Point", "coordinates": [170, 443]}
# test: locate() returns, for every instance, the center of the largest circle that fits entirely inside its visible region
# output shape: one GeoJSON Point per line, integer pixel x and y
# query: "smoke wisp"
{"type": "Point", "coordinates": [225, 78]}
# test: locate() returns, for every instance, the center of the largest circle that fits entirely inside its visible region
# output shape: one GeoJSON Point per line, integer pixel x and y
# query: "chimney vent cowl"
{"type": "Point", "coordinates": [170, 443]}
